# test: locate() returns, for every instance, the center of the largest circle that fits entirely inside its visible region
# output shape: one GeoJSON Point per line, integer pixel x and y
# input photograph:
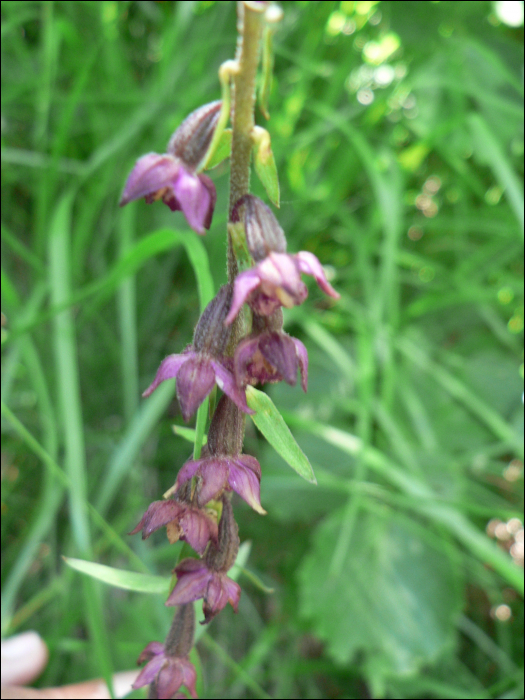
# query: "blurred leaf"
{"type": "Point", "coordinates": [129, 580]}
{"type": "Point", "coordinates": [396, 599]}
{"type": "Point", "coordinates": [188, 434]}
{"type": "Point", "coordinates": [490, 151]}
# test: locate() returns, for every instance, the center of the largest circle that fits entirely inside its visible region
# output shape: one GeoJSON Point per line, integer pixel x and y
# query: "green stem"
{"type": "Point", "coordinates": [251, 25]}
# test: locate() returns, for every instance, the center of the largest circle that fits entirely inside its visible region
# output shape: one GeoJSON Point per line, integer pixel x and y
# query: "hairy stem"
{"type": "Point", "coordinates": [251, 24]}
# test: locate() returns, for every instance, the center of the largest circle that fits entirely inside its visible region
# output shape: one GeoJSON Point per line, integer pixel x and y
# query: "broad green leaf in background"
{"type": "Point", "coordinates": [395, 600]}
{"type": "Point", "coordinates": [271, 424]}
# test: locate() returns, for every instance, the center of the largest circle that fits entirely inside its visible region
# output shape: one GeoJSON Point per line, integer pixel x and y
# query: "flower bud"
{"type": "Point", "coordinates": [191, 141]}
{"type": "Point", "coordinates": [211, 334]}
{"type": "Point", "coordinates": [263, 233]}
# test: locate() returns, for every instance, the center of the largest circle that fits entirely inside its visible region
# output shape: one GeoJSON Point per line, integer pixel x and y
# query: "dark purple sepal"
{"type": "Point", "coordinates": [166, 673]}
{"type": "Point", "coordinates": [195, 380]}
{"type": "Point", "coordinates": [184, 522]}
{"type": "Point", "coordinates": [272, 356]}
{"type": "Point", "coordinates": [165, 177]}
{"type": "Point", "coordinates": [196, 375]}
{"type": "Point", "coordinates": [217, 473]}
{"type": "Point", "coordinates": [196, 581]}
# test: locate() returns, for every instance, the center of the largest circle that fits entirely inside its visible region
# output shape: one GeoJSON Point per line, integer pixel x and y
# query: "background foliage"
{"type": "Point", "coordinates": [397, 128]}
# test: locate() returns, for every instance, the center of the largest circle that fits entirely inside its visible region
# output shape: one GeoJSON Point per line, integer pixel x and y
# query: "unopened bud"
{"type": "Point", "coordinates": [211, 334]}
{"type": "Point", "coordinates": [263, 233]}
{"type": "Point", "coordinates": [191, 140]}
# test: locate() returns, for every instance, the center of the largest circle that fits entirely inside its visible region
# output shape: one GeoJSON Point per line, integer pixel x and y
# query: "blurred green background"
{"type": "Point", "coordinates": [398, 133]}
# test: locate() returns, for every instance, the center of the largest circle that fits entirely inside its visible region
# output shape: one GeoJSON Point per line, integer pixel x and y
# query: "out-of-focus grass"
{"type": "Point", "coordinates": [397, 129]}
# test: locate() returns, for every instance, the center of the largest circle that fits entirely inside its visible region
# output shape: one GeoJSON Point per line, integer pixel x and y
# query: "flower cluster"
{"type": "Point", "coordinates": [230, 350]}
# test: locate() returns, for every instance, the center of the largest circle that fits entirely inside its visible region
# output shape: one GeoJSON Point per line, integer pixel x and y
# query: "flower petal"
{"type": "Point", "coordinates": [189, 677]}
{"type": "Point", "coordinates": [187, 471]}
{"type": "Point", "coordinates": [244, 478]}
{"type": "Point", "coordinates": [221, 590]}
{"type": "Point", "coordinates": [198, 528]}
{"type": "Point", "coordinates": [192, 580]}
{"type": "Point", "coordinates": [175, 673]}
{"type": "Point", "coordinates": [279, 350]}
{"type": "Point", "coordinates": [302, 356]}
{"type": "Point", "coordinates": [214, 473]}
{"type": "Point", "coordinates": [195, 380]}
{"type": "Point", "coordinates": [169, 368]}
{"type": "Point", "coordinates": [225, 381]}
{"type": "Point", "coordinates": [310, 265]}
{"type": "Point", "coordinates": [210, 186]}
{"type": "Point", "coordinates": [195, 198]}
{"type": "Point", "coordinates": [159, 513]}
{"type": "Point", "coordinates": [151, 173]}
{"type": "Point", "coordinates": [244, 356]}
{"type": "Point", "coordinates": [149, 672]}
{"type": "Point", "coordinates": [245, 283]}
{"type": "Point", "coordinates": [152, 649]}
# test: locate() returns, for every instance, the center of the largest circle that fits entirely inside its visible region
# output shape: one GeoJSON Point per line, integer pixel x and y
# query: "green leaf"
{"type": "Point", "coordinates": [188, 434]}
{"type": "Point", "coordinates": [271, 424]}
{"type": "Point", "coordinates": [223, 151]}
{"type": "Point", "coordinates": [129, 580]}
{"type": "Point", "coordinates": [146, 583]}
{"type": "Point", "coordinates": [265, 163]}
{"type": "Point", "coordinates": [396, 599]}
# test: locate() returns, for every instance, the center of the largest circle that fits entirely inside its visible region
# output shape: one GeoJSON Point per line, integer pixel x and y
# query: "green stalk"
{"type": "Point", "coordinates": [251, 23]}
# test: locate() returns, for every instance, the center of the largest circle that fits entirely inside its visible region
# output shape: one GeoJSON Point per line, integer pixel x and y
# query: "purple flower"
{"type": "Point", "coordinates": [240, 473]}
{"type": "Point", "coordinates": [195, 581]}
{"type": "Point", "coordinates": [275, 282]}
{"type": "Point", "coordinates": [183, 520]}
{"type": "Point", "coordinates": [196, 374]}
{"type": "Point", "coordinates": [202, 364]}
{"type": "Point", "coordinates": [222, 467]}
{"type": "Point", "coordinates": [165, 177]}
{"type": "Point", "coordinates": [167, 673]}
{"type": "Point", "coordinates": [207, 578]}
{"type": "Point", "coordinates": [173, 176]}
{"type": "Point", "coordinates": [270, 357]}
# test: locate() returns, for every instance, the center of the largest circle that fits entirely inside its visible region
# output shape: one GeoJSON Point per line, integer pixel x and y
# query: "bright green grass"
{"type": "Point", "coordinates": [386, 581]}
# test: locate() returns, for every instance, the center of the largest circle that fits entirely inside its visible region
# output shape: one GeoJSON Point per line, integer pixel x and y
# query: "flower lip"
{"type": "Point", "coordinates": [275, 282]}
{"type": "Point", "coordinates": [271, 356]}
{"type": "Point", "coordinates": [196, 581]}
{"type": "Point", "coordinates": [166, 673]}
{"type": "Point", "coordinates": [182, 520]}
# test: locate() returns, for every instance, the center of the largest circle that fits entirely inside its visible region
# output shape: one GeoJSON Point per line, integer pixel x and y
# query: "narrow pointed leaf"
{"type": "Point", "coordinates": [267, 72]}
{"type": "Point", "coordinates": [271, 424]}
{"type": "Point", "coordinates": [129, 580]}
{"type": "Point", "coordinates": [188, 434]}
